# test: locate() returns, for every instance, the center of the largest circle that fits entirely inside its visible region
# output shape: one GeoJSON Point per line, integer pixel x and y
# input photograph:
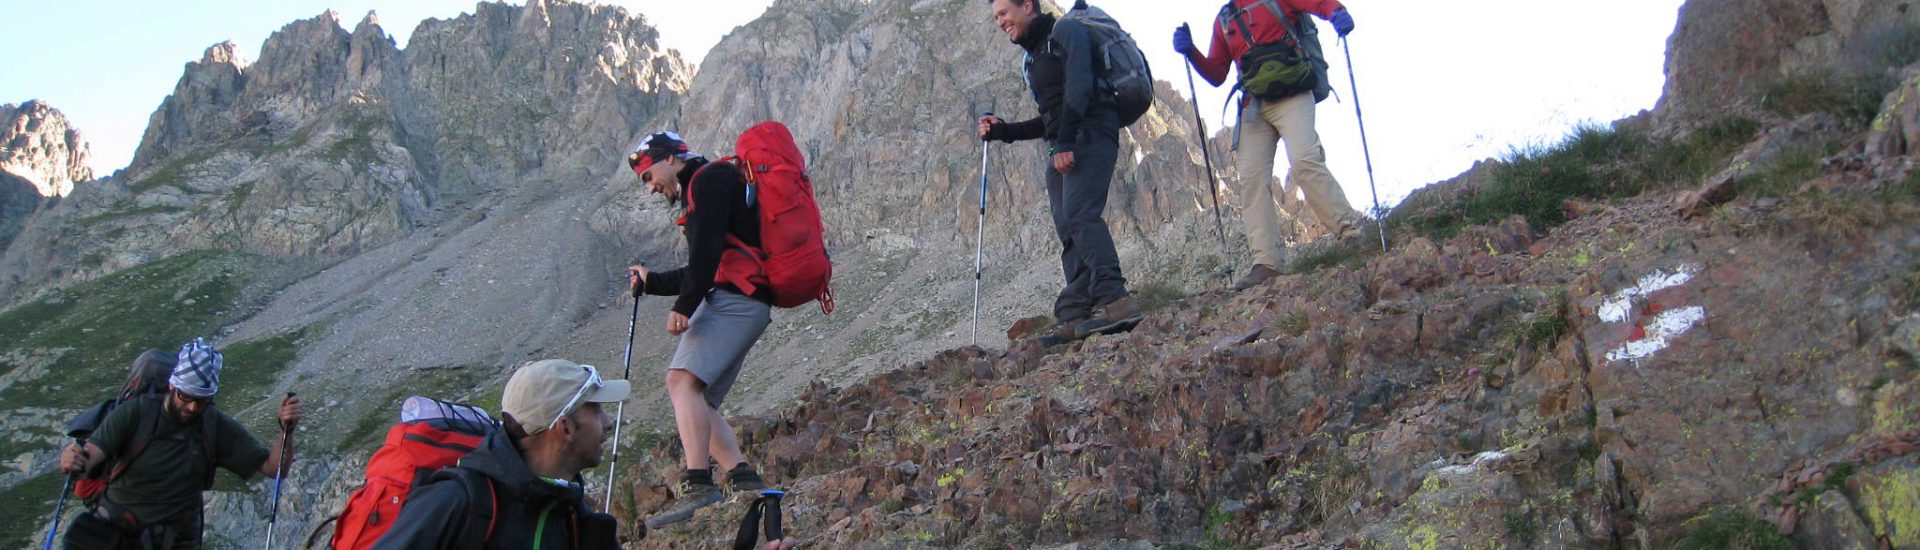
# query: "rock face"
{"type": "Point", "coordinates": [1725, 54]}
{"type": "Point", "coordinates": [39, 145]}
{"type": "Point", "coordinates": [41, 158]}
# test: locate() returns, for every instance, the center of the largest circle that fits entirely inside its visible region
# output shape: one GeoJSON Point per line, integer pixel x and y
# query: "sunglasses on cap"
{"type": "Point", "coordinates": [593, 385]}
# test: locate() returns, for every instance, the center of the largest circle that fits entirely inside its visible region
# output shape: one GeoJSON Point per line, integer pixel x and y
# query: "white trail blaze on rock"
{"type": "Point", "coordinates": [1655, 333]}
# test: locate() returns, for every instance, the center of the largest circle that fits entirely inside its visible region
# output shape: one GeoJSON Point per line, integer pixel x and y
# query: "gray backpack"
{"type": "Point", "coordinates": [1124, 68]}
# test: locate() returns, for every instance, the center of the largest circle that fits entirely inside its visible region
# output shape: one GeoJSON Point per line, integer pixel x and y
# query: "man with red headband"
{"type": "Point", "coordinates": [716, 322]}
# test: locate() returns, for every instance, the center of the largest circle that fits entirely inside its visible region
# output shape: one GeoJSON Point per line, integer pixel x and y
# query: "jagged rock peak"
{"type": "Point", "coordinates": [206, 89]}
{"type": "Point", "coordinates": [224, 53]}
{"type": "Point", "coordinates": [38, 144]}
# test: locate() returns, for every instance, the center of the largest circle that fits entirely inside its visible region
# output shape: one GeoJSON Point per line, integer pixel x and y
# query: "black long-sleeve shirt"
{"type": "Point", "coordinates": [1060, 72]}
{"type": "Point", "coordinates": [716, 207]}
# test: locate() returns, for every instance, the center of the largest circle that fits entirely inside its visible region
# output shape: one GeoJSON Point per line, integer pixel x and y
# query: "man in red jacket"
{"type": "Point", "coordinates": [1241, 26]}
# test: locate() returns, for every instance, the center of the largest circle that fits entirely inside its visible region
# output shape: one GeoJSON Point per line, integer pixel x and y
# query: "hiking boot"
{"type": "Point", "coordinates": [1062, 333]}
{"type": "Point", "coordinates": [743, 478]}
{"type": "Point", "coordinates": [1259, 275]}
{"type": "Point", "coordinates": [692, 497]}
{"type": "Point", "coordinates": [1117, 316]}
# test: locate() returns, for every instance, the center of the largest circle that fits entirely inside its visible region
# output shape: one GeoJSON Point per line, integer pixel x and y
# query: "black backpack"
{"type": "Point", "coordinates": [1124, 68]}
{"type": "Point", "coordinates": [1281, 68]}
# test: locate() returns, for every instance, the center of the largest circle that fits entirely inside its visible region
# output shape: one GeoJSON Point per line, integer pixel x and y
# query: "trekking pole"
{"type": "Point", "coordinates": [279, 476]}
{"type": "Point", "coordinates": [1213, 186]}
{"type": "Point", "coordinates": [620, 409]}
{"type": "Point", "coordinates": [59, 506]}
{"type": "Point", "coordinates": [980, 236]}
{"type": "Point", "coordinates": [1379, 216]}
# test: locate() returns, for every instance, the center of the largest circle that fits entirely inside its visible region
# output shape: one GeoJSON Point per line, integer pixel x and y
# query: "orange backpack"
{"type": "Point", "coordinates": [414, 452]}
{"type": "Point", "coordinates": [792, 260]}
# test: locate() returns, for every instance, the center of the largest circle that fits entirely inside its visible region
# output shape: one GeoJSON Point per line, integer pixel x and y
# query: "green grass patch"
{"type": "Point", "coordinates": [1783, 175]}
{"type": "Point", "coordinates": [1522, 527]}
{"type": "Point", "coordinates": [112, 215]}
{"type": "Point", "coordinates": [1852, 95]}
{"type": "Point", "coordinates": [104, 324]}
{"type": "Point", "coordinates": [30, 503]}
{"type": "Point", "coordinates": [1907, 190]}
{"type": "Point", "coordinates": [469, 384]}
{"type": "Point", "coordinates": [1836, 480]}
{"type": "Point", "coordinates": [173, 173]}
{"type": "Point", "coordinates": [1350, 253]}
{"type": "Point", "coordinates": [1731, 528]}
{"type": "Point", "coordinates": [1593, 162]}
{"type": "Point", "coordinates": [1157, 294]}
{"type": "Point", "coordinates": [1544, 328]}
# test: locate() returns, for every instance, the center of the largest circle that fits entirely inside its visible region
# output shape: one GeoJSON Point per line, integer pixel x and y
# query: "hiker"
{"type": "Point", "coordinates": [1278, 113]}
{"type": "Point", "coordinates": [553, 428]}
{"type": "Point", "coordinates": [716, 321]}
{"type": "Point", "coordinates": [163, 450]}
{"type": "Point", "coordinates": [1082, 129]}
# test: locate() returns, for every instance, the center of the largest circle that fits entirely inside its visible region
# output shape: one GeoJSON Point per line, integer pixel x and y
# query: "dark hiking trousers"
{"type": "Point", "coordinates": [1078, 200]}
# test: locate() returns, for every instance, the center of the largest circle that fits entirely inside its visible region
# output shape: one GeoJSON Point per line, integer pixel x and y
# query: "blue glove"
{"type": "Point", "coordinates": [1183, 40]}
{"type": "Point", "coordinates": [1342, 22]}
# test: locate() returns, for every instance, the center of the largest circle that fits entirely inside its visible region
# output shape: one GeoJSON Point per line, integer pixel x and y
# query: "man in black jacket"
{"type": "Point", "coordinates": [716, 322]}
{"type": "Point", "coordinates": [522, 487]}
{"type": "Point", "coordinates": [1082, 129]}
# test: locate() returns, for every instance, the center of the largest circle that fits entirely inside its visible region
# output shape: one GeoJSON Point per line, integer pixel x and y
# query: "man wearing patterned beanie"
{"type": "Point", "coordinates": [161, 451]}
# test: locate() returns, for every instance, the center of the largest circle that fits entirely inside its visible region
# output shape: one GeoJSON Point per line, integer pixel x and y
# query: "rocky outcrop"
{"type": "Point", "coordinates": [41, 158]}
{"type": "Point", "coordinates": [1725, 54]}
{"type": "Point", "coordinates": [1618, 382]}
{"type": "Point", "coordinates": [37, 144]}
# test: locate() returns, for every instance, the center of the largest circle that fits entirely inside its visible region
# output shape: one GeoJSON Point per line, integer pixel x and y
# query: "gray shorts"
{"type": "Point", "coordinates": [717, 340]}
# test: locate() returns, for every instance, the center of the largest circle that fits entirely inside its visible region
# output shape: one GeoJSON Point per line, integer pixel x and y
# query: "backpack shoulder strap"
{"type": "Point", "coordinates": [149, 412]}
{"type": "Point", "coordinates": [208, 429]}
{"type": "Point", "coordinates": [483, 506]}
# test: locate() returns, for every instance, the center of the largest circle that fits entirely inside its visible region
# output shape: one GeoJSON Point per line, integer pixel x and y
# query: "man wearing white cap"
{"type": "Point", "coordinates": [522, 487]}
{"type": "Point", "coordinates": [163, 450]}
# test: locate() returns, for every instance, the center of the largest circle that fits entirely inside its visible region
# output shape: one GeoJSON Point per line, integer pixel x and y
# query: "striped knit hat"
{"type": "Point", "coordinates": [198, 372]}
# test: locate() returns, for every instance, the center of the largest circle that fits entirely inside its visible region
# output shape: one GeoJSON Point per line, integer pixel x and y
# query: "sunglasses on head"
{"type": "Point", "coordinates": [593, 384]}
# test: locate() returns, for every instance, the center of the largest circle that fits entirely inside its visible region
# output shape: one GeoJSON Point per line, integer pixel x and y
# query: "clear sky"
{"type": "Point", "coordinates": [1443, 84]}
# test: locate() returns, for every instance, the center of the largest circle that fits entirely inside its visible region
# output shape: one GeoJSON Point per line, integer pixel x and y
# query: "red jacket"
{"type": "Point", "coordinates": [1228, 45]}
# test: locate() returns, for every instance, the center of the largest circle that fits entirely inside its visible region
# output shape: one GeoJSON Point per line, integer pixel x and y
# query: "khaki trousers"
{"type": "Point", "coordinates": [1269, 225]}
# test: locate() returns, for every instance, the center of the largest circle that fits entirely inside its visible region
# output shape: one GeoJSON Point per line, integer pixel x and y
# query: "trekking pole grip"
{"type": "Point", "coordinates": [283, 401]}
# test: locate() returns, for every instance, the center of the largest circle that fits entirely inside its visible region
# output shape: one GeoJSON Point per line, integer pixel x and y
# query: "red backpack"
{"type": "Point", "coordinates": [792, 259]}
{"type": "Point", "coordinates": [414, 452]}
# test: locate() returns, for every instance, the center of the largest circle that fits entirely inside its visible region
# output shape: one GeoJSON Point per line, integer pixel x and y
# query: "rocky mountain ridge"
{"type": "Point", "coordinates": [362, 222]}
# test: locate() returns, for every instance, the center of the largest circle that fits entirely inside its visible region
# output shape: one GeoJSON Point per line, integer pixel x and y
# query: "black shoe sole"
{"type": "Point", "coordinates": [1110, 327]}
{"type": "Point", "coordinates": [1050, 340]}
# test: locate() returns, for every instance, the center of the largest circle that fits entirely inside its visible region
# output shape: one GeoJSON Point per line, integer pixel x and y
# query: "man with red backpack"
{"type": "Point", "coordinates": [522, 488]}
{"type": "Point", "coordinates": [1283, 74]}
{"type": "Point", "coordinates": [724, 304]}
{"type": "Point", "coordinates": [162, 451]}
